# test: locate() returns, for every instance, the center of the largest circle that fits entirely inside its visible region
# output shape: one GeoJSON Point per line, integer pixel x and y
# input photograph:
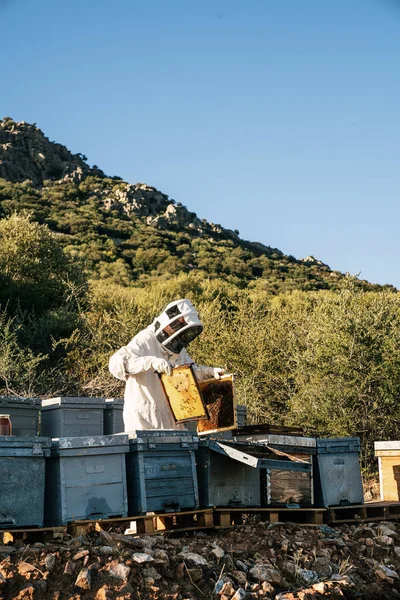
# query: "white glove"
{"type": "Point", "coordinates": [218, 372]}
{"type": "Point", "coordinates": [161, 366]}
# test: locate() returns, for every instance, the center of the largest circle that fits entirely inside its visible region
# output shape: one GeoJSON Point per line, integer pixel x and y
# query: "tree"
{"type": "Point", "coordinates": [34, 271]}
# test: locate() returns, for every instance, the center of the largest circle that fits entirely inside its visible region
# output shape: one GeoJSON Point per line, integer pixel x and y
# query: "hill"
{"type": "Point", "coordinates": [132, 233]}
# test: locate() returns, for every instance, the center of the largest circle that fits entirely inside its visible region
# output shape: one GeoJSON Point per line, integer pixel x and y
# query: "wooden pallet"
{"type": "Point", "coordinates": [228, 517]}
{"type": "Point", "coordinates": [152, 523]}
{"type": "Point", "coordinates": [371, 511]}
{"type": "Point", "coordinates": [35, 534]}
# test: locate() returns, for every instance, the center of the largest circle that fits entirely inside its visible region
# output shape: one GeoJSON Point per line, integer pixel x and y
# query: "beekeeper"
{"type": "Point", "coordinates": [156, 349]}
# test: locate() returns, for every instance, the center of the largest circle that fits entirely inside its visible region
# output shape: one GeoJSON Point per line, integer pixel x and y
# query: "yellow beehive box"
{"type": "Point", "coordinates": [183, 393]}
{"type": "Point", "coordinates": [388, 454]}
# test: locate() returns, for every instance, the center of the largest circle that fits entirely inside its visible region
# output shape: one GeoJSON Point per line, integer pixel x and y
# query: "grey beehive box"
{"type": "Point", "coordinates": [24, 414]}
{"type": "Point", "coordinates": [113, 416]}
{"type": "Point", "coordinates": [235, 473]}
{"type": "Point", "coordinates": [68, 416]}
{"type": "Point", "coordinates": [338, 474]}
{"type": "Point", "coordinates": [161, 471]}
{"type": "Point", "coordinates": [22, 480]}
{"type": "Point", "coordinates": [86, 479]}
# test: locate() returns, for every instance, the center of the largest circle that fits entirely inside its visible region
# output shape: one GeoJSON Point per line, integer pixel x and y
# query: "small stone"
{"type": "Point", "coordinates": [161, 556]}
{"type": "Point", "coordinates": [84, 579]}
{"type": "Point", "coordinates": [240, 577]}
{"type": "Point", "coordinates": [239, 594]}
{"type": "Point", "coordinates": [242, 566]}
{"type": "Point", "coordinates": [107, 550]}
{"type": "Point", "coordinates": [267, 587]}
{"type": "Point", "coordinates": [386, 572]}
{"type": "Point", "coordinates": [385, 540]}
{"type": "Point", "coordinates": [227, 589]}
{"type": "Point", "coordinates": [80, 554]}
{"type": "Point", "coordinates": [195, 574]}
{"type": "Point", "coordinates": [50, 561]}
{"type": "Point", "coordinates": [151, 572]}
{"type": "Point", "coordinates": [218, 552]}
{"type": "Point", "coordinates": [69, 567]}
{"type": "Point", "coordinates": [141, 558]}
{"type": "Point", "coordinates": [119, 570]}
{"type": "Point", "coordinates": [369, 542]}
{"type": "Point", "coordinates": [266, 573]}
{"type": "Point", "coordinates": [149, 582]}
{"type": "Point", "coordinates": [40, 586]}
{"type": "Point", "coordinates": [104, 593]}
{"type": "Point", "coordinates": [25, 567]}
{"type": "Point", "coordinates": [193, 559]}
{"type": "Point", "coordinates": [320, 587]}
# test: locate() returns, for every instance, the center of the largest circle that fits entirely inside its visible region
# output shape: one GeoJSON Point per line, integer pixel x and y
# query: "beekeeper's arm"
{"type": "Point", "coordinates": [200, 371]}
{"type": "Point", "coordinates": [129, 361]}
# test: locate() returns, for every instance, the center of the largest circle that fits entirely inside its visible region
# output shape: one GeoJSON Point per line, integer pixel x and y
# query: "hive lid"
{"type": "Point", "coordinates": [16, 402]}
{"type": "Point", "coordinates": [73, 402]}
{"type": "Point", "coordinates": [277, 440]}
{"type": "Point", "coordinates": [162, 436]}
{"type": "Point", "coordinates": [111, 402]}
{"type": "Point", "coordinates": [25, 446]}
{"type": "Point", "coordinates": [94, 441]}
{"type": "Point", "coordinates": [338, 445]}
{"type": "Point", "coordinates": [392, 445]}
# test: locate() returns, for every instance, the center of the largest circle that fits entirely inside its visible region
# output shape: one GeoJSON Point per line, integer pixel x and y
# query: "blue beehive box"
{"type": "Point", "coordinates": [68, 416]}
{"type": "Point", "coordinates": [161, 471]}
{"type": "Point", "coordinates": [22, 477]}
{"type": "Point", "coordinates": [86, 479]}
{"type": "Point", "coordinates": [24, 414]}
{"type": "Point", "coordinates": [337, 473]}
{"type": "Point", "coordinates": [113, 416]}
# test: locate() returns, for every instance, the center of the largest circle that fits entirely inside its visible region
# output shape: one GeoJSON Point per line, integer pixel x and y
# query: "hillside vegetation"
{"type": "Point", "coordinates": [78, 278]}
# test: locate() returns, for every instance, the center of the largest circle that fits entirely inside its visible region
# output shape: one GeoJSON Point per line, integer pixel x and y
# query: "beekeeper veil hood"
{"type": "Point", "coordinates": [177, 325]}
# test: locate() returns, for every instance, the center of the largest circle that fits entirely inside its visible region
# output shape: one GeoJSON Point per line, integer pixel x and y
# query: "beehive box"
{"type": "Point", "coordinates": [220, 401]}
{"type": "Point", "coordinates": [24, 414]}
{"type": "Point", "coordinates": [286, 487]}
{"type": "Point", "coordinates": [86, 479]}
{"type": "Point", "coordinates": [113, 416]}
{"type": "Point", "coordinates": [161, 471]}
{"type": "Point", "coordinates": [235, 473]}
{"type": "Point", "coordinates": [388, 454]}
{"type": "Point", "coordinates": [68, 416]}
{"type": "Point", "coordinates": [22, 476]}
{"type": "Point", "coordinates": [337, 472]}
{"type": "Point", "coordinates": [183, 394]}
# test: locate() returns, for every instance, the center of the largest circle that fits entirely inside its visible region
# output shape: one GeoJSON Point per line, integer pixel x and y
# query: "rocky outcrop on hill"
{"type": "Point", "coordinates": [27, 154]}
{"type": "Point", "coordinates": [281, 561]}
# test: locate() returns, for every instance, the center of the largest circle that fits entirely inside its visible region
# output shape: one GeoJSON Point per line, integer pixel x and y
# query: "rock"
{"type": "Point", "coordinates": [239, 594]}
{"type": "Point", "coordinates": [369, 542]}
{"type": "Point", "coordinates": [40, 586]}
{"type": "Point", "coordinates": [266, 573]}
{"type": "Point", "coordinates": [7, 550]}
{"type": "Point", "coordinates": [84, 579]}
{"type": "Point", "coordinates": [141, 558]}
{"type": "Point", "coordinates": [397, 551]}
{"type": "Point", "coordinates": [195, 574]}
{"type": "Point", "coordinates": [161, 557]}
{"type": "Point", "coordinates": [242, 566]}
{"type": "Point", "coordinates": [107, 550]}
{"type": "Point", "coordinates": [322, 566]}
{"type": "Point", "coordinates": [193, 559]}
{"type": "Point", "coordinates": [69, 567]}
{"type": "Point", "coordinates": [50, 561]}
{"type": "Point", "coordinates": [384, 572]}
{"type": "Point", "coordinates": [180, 571]}
{"type": "Point", "coordinates": [267, 587]}
{"type": "Point", "coordinates": [80, 554]}
{"type": "Point", "coordinates": [240, 577]}
{"type": "Point", "coordinates": [306, 576]}
{"type": "Point", "coordinates": [25, 567]}
{"type": "Point", "coordinates": [119, 570]}
{"type": "Point", "coordinates": [104, 593]}
{"type": "Point", "coordinates": [227, 589]}
{"type": "Point", "coordinates": [388, 531]}
{"type": "Point", "coordinates": [151, 572]}
{"type": "Point", "coordinates": [27, 593]}
{"type": "Point", "coordinates": [218, 552]}
{"type": "Point", "coordinates": [385, 540]}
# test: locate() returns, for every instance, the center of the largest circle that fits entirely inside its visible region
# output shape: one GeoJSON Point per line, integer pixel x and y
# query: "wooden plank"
{"type": "Point", "coordinates": [145, 526]}
{"type": "Point", "coordinates": [205, 519]}
{"type": "Point", "coordinates": [225, 519]}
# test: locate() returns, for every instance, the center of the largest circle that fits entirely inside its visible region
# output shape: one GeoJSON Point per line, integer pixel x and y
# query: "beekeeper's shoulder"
{"type": "Point", "coordinates": [142, 341]}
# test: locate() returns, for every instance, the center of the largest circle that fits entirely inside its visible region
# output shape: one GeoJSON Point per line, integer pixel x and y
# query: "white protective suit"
{"type": "Point", "coordinates": [145, 405]}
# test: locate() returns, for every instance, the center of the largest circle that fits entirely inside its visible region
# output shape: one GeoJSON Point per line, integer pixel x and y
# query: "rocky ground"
{"type": "Point", "coordinates": [256, 560]}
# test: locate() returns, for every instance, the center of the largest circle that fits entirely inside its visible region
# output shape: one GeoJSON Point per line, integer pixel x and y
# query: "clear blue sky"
{"type": "Point", "coordinates": [278, 118]}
